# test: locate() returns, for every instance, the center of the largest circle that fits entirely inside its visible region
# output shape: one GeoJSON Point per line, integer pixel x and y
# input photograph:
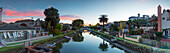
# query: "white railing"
{"type": "Point", "coordinates": [3, 42]}
{"type": "Point", "coordinates": [133, 39]}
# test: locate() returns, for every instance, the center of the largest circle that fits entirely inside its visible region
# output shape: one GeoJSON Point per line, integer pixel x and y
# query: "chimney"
{"type": "Point", "coordinates": [138, 15]}
{"type": "Point", "coordinates": [159, 19]}
{"type": "Point", "coordinates": [1, 16]}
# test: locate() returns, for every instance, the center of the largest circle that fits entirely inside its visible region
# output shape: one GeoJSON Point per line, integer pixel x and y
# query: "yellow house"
{"type": "Point", "coordinates": [122, 26]}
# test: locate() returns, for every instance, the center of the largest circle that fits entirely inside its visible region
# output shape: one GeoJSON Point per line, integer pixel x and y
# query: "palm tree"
{"type": "Point", "coordinates": [103, 20]}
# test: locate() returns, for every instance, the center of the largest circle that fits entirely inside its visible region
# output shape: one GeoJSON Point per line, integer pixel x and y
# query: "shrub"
{"type": "Point", "coordinates": [140, 40]}
{"type": "Point", "coordinates": [158, 35]}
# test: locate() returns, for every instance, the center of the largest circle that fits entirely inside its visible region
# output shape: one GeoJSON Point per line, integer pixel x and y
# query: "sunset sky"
{"type": "Point", "coordinates": [88, 10]}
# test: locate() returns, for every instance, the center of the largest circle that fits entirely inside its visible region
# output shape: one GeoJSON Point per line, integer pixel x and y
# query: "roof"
{"type": "Point", "coordinates": [27, 20]}
{"type": "Point", "coordinates": [14, 27]}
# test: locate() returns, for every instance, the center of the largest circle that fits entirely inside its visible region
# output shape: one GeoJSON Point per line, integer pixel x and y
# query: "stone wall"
{"type": "Point", "coordinates": [137, 47]}
{"type": "Point", "coordinates": [154, 42]}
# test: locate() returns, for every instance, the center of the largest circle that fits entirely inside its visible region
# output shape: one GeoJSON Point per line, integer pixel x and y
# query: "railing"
{"type": "Point", "coordinates": [133, 39]}
{"type": "Point", "coordinates": [3, 42]}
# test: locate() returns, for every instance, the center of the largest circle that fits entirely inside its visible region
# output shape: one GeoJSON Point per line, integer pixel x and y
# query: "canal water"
{"type": "Point", "coordinates": [86, 42]}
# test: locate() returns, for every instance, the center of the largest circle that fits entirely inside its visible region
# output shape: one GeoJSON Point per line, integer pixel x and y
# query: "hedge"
{"type": "Point", "coordinates": [3, 49]}
{"type": "Point", "coordinates": [104, 33]}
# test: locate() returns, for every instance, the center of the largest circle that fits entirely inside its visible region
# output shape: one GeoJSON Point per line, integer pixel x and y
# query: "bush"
{"type": "Point", "coordinates": [140, 40]}
{"type": "Point", "coordinates": [158, 35]}
{"type": "Point", "coordinates": [3, 49]}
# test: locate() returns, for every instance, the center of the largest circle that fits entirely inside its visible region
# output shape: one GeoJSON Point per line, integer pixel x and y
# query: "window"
{"type": "Point", "coordinates": [168, 18]}
{"type": "Point", "coordinates": [163, 18]}
{"type": "Point", "coordinates": [166, 32]}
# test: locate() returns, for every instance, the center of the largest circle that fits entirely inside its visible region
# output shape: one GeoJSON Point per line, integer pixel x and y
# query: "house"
{"type": "Point", "coordinates": [30, 23]}
{"type": "Point", "coordinates": [123, 27]}
{"type": "Point", "coordinates": [12, 33]}
{"type": "Point", "coordinates": [164, 22]}
{"type": "Point", "coordinates": [165, 19]}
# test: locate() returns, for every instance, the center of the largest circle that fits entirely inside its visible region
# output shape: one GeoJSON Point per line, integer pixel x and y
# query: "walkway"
{"type": "Point", "coordinates": [22, 42]}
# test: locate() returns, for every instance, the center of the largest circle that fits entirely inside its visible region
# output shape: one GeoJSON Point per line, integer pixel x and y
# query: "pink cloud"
{"type": "Point", "coordinates": [37, 12]}
{"type": "Point", "coordinates": [12, 19]}
{"type": "Point", "coordinates": [9, 19]}
{"type": "Point", "coordinates": [69, 17]}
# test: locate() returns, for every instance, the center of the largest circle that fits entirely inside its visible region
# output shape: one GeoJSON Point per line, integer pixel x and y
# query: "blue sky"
{"type": "Point", "coordinates": [88, 10]}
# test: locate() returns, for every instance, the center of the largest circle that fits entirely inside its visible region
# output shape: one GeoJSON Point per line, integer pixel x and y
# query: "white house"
{"type": "Point", "coordinates": [166, 22]}
{"type": "Point", "coordinates": [30, 23]}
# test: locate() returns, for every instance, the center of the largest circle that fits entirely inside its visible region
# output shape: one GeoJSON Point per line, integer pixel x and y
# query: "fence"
{"type": "Point", "coordinates": [129, 37]}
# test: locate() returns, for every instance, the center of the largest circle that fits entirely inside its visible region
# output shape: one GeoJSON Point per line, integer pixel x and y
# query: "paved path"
{"type": "Point", "coordinates": [31, 40]}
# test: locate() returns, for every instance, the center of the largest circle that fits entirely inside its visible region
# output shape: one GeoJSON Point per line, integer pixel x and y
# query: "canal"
{"type": "Point", "coordinates": [86, 42]}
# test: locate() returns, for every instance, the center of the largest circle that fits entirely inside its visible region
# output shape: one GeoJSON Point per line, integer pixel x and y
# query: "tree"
{"type": "Point", "coordinates": [78, 23]}
{"type": "Point", "coordinates": [57, 31]}
{"type": "Point", "coordinates": [103, 19]}
{"type": "Point", "coordinates": [52, 16]}
{"type": "Point", "coordinates": [155, 24]}
{"type": "Point", "coordinates": [97, 24]}
{"type": "Point", "coordinates": [113, 28]}
{"type": "Point", "coordinates": [65, 28]}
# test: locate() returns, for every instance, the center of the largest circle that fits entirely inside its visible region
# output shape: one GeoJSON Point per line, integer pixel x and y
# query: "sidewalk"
{"type": "Point", "coordinates": [26, 41]}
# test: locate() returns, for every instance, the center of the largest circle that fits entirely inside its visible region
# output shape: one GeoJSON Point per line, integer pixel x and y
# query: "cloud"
{"type": "Point", "coordinates": [37, 12]}
{"type": "Point", "coordinates": [69, 17]}
{"type": "Point", "coordinates": [9, 19]}
{"type": "Point", "coordinates": [11, 7]}
{"type": "Point", "coordinates": [152, 11]}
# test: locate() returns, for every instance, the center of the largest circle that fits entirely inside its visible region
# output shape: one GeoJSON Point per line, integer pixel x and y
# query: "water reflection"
{"type": "Point", "coordinates": [85, 43]}
{"type": "Point", "coordinates": [58, 46]}
{"type": "Point", "coordinates": [78, 37]}
{"type": "Point", "coordinates": [103, 46]}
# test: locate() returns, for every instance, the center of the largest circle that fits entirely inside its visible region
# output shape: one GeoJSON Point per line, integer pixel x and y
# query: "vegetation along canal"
{"type": "Point", "coordinates": [86, 42]}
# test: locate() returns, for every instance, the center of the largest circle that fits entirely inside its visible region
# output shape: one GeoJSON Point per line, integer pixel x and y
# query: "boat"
{"type": "Point", "coordinates": [38, 48]}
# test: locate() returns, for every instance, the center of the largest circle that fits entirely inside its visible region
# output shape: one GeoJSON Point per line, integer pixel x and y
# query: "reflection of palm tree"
{"type": "Point", "coordinates": [103, 20]}
{"type": "Point", "coordinates": [103, 46]}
